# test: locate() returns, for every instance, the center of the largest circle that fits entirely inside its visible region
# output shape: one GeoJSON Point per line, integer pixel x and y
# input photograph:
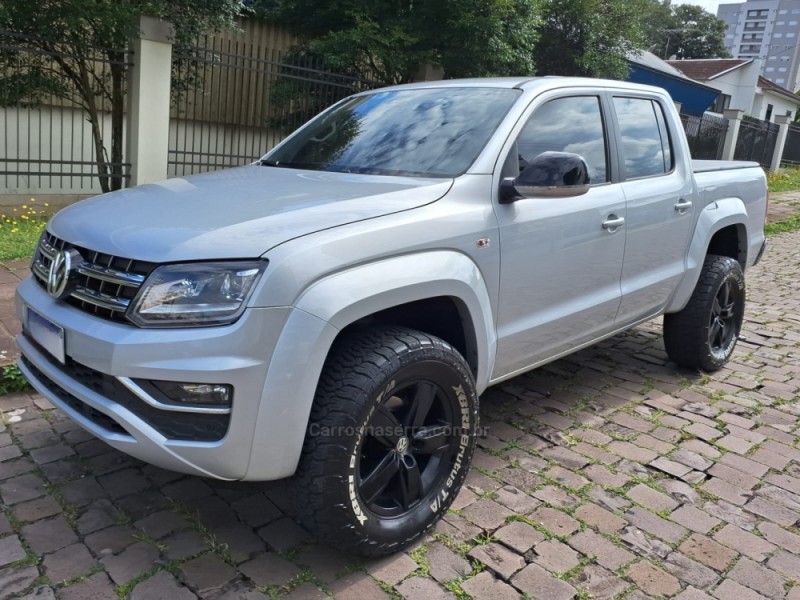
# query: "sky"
{"type": "Point", "coordinates": [709, 5]}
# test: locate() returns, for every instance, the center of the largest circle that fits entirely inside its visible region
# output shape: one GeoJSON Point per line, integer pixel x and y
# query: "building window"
{"type": "Point", "coordinates": [768, 116]}
{"type": "Point", "coordinates": [722, 102]}
{"type": "Point", "coordinates": [770, 69]}
{"type": "Point", "coordinates": [791, 34]}
{"type": "Point", "coordinates": [777, 35]}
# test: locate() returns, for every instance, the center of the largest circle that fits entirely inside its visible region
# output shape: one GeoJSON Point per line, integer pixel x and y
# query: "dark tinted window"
{"type": "Point", "coordinates": [644, 150]}
{"type": "Point", "coordinates": [425, 132]}
{"type": "Point", "coordinates": [572, 124]}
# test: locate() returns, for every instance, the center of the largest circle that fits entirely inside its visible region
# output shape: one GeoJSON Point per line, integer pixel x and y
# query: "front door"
{"type": "Point", "coordinates": [561, 262]}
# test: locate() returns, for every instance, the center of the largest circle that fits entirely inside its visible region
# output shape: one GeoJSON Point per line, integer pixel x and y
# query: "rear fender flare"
{"type": "Point", "coordinates": [714, 217]}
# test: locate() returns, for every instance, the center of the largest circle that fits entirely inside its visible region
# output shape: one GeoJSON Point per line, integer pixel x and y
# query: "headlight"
{"type": "Point", "coordinates": [195, 294]}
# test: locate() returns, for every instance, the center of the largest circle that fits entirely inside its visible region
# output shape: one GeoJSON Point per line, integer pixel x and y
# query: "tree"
{"type": "Point", "coordinates": [75, 48]}
{"type": "Point", "coordinates": [589, 38]}
{"type": "Point", "coordinates": [690, 32]}
{"type": "Point", "coordinates": [388, 40]}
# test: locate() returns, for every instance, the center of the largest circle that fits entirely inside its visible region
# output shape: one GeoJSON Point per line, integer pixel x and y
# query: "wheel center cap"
{"type": "Point", "coordinates": [402, 445]}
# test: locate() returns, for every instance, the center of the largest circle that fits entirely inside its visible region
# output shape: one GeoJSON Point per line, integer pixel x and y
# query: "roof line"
{"type": "Point", "coordinates": [733, 68]}
{"type": "Point", "coordinates": [684, 79]}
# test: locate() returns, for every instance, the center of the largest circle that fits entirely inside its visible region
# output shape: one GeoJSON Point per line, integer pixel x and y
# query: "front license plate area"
{"type": "Point", "coordinates": [47, 334]}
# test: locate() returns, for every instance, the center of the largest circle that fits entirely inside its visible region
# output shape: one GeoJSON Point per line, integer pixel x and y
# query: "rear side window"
{"type": "Point", "coordinates": [573, 124]}
{"type": "Point", "coordinates": [646, 149]}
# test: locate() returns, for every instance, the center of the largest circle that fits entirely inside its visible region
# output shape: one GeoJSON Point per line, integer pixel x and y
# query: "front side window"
{"type": "Point", "coordinates": [436, 132]}
{"type": "Point", "coordinates": [573, 124]}
{"type": "Point", "coordinates": [645, 144]}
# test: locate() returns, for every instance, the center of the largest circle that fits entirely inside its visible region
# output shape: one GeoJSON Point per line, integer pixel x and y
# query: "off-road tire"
{"type": "Point", "coordinates": [367, 370]}
{"type": "Point", "coordinates": [687, 333]}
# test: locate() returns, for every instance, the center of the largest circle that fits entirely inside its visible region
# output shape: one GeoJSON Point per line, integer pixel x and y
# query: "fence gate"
{"type": "Point", "coordinates": [706, 135]}
{"type": "Point", "coordinates": [791, 151]}
{"type": "Point", "coordinates": [756, 141]}
{"type": "Point", "coordinates": [233, 101]}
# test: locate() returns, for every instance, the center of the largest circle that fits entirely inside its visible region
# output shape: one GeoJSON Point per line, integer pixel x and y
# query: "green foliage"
{"type": "Point", "coordinates": [75, 50]}
{"type": "Point", "coordinates": [12, 380]}
{"type": "Point", "coordinates": [388, 40]}
{"type": "Point", "coordinates": [685, 31]}
{"type": "Point", "coordinates": [590, 38]}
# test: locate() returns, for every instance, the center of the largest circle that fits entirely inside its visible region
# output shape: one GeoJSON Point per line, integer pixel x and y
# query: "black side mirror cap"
{"type": "Point", "coordinates": [550, 174]}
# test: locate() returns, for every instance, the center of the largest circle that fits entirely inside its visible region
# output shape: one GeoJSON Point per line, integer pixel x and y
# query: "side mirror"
{"type": "Point", "coordinates": [551, 174]}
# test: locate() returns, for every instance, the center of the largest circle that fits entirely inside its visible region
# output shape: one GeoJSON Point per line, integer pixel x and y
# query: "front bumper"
{"type": "Point", "coordinates": [237, 354]}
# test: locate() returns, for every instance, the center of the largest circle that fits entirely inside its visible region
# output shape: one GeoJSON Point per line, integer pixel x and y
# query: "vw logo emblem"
{"type": "Point", "coordinates": [60, 269]}
{"type": "Point", "coordinates": [402, 445]}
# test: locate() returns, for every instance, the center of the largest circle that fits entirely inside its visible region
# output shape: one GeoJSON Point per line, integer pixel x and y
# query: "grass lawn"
{"type": "Point", "coordinates": [20, 229]}
{"type": "Point", "coordinates": [785, 180]}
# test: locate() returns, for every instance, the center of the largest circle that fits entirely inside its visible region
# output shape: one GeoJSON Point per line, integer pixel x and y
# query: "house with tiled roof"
{"type": "Point", "coordinates": [741, 87]}
{"type": "Point", "coordinates": [693, 96]}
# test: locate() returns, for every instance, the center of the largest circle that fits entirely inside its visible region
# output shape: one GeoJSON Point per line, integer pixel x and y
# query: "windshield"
{"type": "Point", "coordinates": [435, 132]}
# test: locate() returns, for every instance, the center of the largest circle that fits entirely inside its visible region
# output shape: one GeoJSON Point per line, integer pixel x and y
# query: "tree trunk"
{"type": "Point", "coordinates": [87, 92]}
{"type": "Point", "coordinates": [118, 69]}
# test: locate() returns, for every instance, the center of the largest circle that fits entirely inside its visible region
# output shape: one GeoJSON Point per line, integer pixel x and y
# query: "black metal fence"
{"type": "Point", "coordinates": [756, 141]}
{"type": "Point", "coordinates": [706, 135]}
{"type": "Point", "coordinates": [791, 151]}
{"type": "Point", "coordinates": [52, 136]}
{"type": "Point", "coordinates": [237, 100]}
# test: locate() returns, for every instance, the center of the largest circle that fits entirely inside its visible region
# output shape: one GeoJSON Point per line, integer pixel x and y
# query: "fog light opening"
{"type": "Point", "coordinates": [196, 394]}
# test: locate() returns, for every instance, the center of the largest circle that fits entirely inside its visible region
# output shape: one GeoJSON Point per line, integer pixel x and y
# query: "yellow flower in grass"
{"type": "Point", "coordinates": [14, 230]}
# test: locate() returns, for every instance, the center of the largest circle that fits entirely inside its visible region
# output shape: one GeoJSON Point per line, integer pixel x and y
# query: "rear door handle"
{"type": "Point", "coordinates": [683, 205]}
{"type": "Point", "coordinates": [612, 222]}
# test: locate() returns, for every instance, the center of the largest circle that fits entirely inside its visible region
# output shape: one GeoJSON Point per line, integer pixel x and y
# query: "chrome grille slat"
{"type": "Point", "coordinates": [100, 299]}
{"type": "Point", "coordinates": [107, 283]}
{"type": "Point", "coordinates": [110, 275]}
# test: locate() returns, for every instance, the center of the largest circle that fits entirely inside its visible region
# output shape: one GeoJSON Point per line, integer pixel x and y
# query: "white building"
{"type": "Point", "coordinates": [769, 31]}
{"type": "Point", "coordinates": [741, 86]}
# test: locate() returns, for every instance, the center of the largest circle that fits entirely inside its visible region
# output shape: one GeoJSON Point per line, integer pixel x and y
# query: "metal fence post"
{"type": "Point", "coordinates": [149, 101]}
{"type": "Point", "coordinates": [734, 117]}
{"type": "Point", "coordinates": [783, 129]}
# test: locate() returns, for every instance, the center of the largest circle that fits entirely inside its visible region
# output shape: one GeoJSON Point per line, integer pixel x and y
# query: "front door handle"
{"type": "Point", "coordinates": [612, 222]}
{"type": "Point", "coordinates": [683, 205]}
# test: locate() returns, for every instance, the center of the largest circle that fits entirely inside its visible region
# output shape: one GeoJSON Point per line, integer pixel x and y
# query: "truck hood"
{"type": "Point", "coordinates": [236, 213]}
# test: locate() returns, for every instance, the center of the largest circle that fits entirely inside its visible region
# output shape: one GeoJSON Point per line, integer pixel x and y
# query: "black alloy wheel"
{"type": "Point", "coordinates": [722, 327]}
{"type": "Point", "coordinates": [409, 446]}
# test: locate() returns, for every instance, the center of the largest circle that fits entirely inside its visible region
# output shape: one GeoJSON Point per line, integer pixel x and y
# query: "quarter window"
{"type": "Point", "coordinates": [646, 148]}
{"type": "Point", "coordinates": [573, 124]}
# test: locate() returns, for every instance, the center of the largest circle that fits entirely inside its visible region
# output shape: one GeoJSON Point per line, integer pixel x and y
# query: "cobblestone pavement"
{"type": "Point", "coordinates": [607, 474]}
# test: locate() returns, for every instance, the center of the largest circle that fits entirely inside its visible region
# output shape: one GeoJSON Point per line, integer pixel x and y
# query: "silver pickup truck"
{"type": "Point", "coordinates": [332, 312]}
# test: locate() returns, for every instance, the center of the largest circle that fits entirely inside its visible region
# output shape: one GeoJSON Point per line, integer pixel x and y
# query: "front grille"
{"type": "Point", "coordinates": [185, 426]}
{"type": "Point", "coordinates": [105, 285]}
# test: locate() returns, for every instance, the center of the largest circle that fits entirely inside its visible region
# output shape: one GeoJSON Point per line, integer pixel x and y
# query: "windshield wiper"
{"type": "Point", "coordinates": [289, 165]}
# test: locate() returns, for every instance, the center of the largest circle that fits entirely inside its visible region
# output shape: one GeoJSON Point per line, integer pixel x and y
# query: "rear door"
{"type": "Point", "coordinates": [659, 195]}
